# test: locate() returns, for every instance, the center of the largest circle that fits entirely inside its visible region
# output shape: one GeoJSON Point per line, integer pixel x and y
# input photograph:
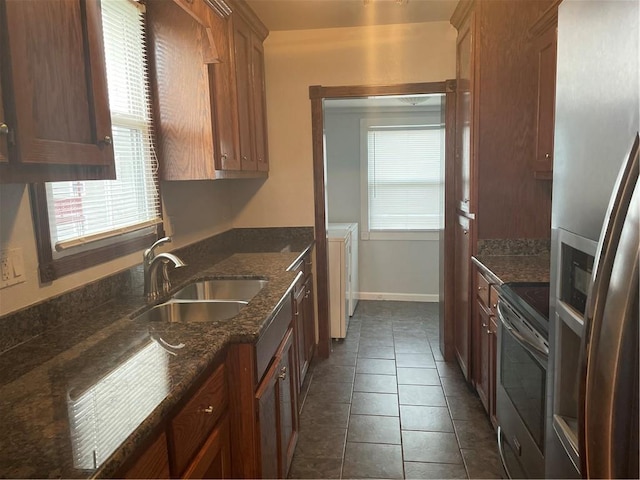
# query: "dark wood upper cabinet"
{"type": "Point", "coordinates": [259, 102]}
{"type": "Point", "coordinates": [544, 38]}
{"type": "Point", "coordinates": [203, 56]}
{"type": "Point", "coordinates": [54, 89]}
{"type": "Point", "coordinates": [497, 69]}
{"type": "Point", "coordinates": [182, 52]}
{"type": "Point", "coordinates": [242, 44]}
{"type": "Point", "coordinates": [464, 116]}
{"type": "Point", "coordinates": [249, 61]}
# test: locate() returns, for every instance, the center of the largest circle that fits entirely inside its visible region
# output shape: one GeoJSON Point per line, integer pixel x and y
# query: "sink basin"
{"type": "Point", "coordinates": [222, 289]}
{"type": "Point", "coordinates": [191, 312]}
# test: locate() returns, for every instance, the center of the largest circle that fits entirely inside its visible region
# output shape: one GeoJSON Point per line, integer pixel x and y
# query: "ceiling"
{"type": "Point", "coordinates": [310, 14]}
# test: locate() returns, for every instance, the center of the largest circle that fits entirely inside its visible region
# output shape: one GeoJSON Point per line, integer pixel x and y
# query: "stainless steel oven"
{"type": "Point", "coordinates": [523, 352]}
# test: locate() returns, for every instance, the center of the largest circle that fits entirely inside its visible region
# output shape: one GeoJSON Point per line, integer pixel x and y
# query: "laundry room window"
{"type": "Point", "coordinates": [98, 220]}
{"type": "Point", "coordinates": [402, 185]}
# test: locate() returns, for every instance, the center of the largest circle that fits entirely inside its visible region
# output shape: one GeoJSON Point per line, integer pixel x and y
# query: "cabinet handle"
{"type": "Point", "coordinates": [484, 325]}
{"type": "Point", "coordinates": [244, 158]}
{"type": "Point", "coordinates": [4, 129]}
{"type": "Point", "coordinates": [547, 156]}
{"type": "Point", "coordinates": [208, 410]}
{"type": "Point", "coordinates": [466, 232]}
{"type": "Point", "coordinates": [105, 141]}
{"type": "Point", "coordinates": [223, 156]}
{"type": "Point", "coordinates": [306, 295]}
{"type": "Point", "coordinates": [481, 288]}
{"type": "Point", "coordinates": [466, 200]}
{"type": "Point", "coordinates": [489, 332]}
{"type": "Point", "coordinates": [283, 373]}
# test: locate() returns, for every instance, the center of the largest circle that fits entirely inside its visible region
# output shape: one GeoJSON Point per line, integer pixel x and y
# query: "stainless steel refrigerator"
{"type": "Point", "coordinates": [592, 395]}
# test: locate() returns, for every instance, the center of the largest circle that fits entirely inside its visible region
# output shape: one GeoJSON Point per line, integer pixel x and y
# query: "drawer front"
{"type": "Point", "coordinates": [270, 340]}
{"type": "Point", "coordinates": [192, 425]}
{"type": "Point", "coordinates": [482, 285]}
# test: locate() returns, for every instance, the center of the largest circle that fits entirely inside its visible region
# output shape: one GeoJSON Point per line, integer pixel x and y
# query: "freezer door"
{"type": "Point", "coordinates": [608, 430]}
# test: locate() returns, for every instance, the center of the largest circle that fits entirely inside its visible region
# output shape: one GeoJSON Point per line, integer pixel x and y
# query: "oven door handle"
{"type": "Point", "coordinates": [531, 347]}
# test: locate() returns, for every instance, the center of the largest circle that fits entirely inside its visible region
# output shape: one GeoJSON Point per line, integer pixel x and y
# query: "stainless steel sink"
{"type": "Point", "coordinates": [191, 312]}
{"type": "Point", "coordinates": [222, 289]}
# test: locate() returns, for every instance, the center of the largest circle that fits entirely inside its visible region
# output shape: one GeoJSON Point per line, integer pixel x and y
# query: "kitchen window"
{"type": "Point", "coordinates": [82, 223]}
{"type": "Point", "coordinates": [402, 182]}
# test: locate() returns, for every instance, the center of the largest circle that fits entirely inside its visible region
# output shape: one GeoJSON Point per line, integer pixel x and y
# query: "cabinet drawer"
{"type": "Point", "coordinates": [270, 340]}
{"type": "Point", "coordinates": [191, 426]}
{"type": "Point", "coordinates": [482, 285]}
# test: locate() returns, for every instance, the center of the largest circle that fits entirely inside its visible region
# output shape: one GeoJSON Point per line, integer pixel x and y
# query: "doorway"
{"type": "Point", "coordinates": [318, 96]}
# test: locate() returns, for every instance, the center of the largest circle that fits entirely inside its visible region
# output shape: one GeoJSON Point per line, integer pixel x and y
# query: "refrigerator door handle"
{"type": "Point", "coordinates": [607, 345]}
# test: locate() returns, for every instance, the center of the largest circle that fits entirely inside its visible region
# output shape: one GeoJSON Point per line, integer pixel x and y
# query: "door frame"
{"type": "Point", "coordinates": [317, 94]}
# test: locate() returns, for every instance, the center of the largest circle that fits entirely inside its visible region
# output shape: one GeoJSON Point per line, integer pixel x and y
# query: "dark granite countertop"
{"type": "Point", "coordinates": [77, 400]}
{"type": "Point", "coordinates": [514, 268]}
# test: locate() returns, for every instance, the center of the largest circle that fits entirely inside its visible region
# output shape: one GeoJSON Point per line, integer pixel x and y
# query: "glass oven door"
{"type": "Point", "coordinates": [524, 381]}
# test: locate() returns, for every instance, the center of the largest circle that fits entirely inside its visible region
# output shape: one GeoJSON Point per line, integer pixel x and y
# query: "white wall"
{"type": "Point", "coordinates": [294, 60]}
{"type": "Point", "coordinates": [388, 269]}
{"type": "Point", "coordinates": [297, 59]}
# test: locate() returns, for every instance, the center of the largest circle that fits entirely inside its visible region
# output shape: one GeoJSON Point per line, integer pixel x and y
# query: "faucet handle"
{"type": "Point", "coordinates": [148, 253]}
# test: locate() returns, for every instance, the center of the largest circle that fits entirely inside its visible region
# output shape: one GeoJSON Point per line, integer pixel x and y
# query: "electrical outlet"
{"type": "Point", "coordinates": [5, 267]}
{"type": "Point", "coordinates": [11, 267]}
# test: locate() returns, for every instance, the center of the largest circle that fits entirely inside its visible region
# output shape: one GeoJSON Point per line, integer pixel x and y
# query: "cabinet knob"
{"type": "Point", "coordinates": [223, 156]}
{"type": "Point", "coordinates": [465, 231]}
{"type": "Point", "coordinates": [208, 410]}
{"type": "Point", "coordinates": [466, 200]}
{"type": "Point", "coordinates": [306, 295]}
{"type": "Point", "coordinates": [244, 158]}
{"type": "Point", "coordinates": [480, 288]}
{"type": "Point", "coordinates": [489, 332]}
{"type": "Point", "coordinates": [547, 156]}
{"type": "Point", "coordinates": [106, 140]}
{"type": "Point", "coordinates": [283, 373]}
{"type": "Point", "coordinates": [4, 129]}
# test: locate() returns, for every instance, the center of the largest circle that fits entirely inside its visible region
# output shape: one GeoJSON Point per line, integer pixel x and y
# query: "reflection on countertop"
{"type": "Point", "coordinates": [79, 398]}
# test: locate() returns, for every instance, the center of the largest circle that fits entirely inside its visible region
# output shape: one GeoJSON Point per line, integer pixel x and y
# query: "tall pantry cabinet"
{"type": "Point", "coordinates": [498, 194]}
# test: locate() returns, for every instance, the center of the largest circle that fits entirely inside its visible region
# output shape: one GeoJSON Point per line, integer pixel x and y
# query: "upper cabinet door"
{"type": "Point", "coordinates": [243, 49]}
{"type": "Point", "coordinates": [546, 45]}
{"type": "Point", "coordinates": [259, 104]}
{"type": "Point", "coordinates": [224, 92]}
{"type": "Point", "coordinates": [57, 88]}
{"type": "Point", "coordinates": [464, 116]}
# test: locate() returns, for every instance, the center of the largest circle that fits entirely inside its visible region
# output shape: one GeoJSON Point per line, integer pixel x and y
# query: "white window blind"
{"type": "Point", "coordinates": [404, 179]}
{"type": "Point", "coordinates": [83, 211]}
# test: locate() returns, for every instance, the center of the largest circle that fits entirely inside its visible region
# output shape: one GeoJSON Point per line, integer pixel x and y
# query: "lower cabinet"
{"type": "Point", "coordinates": [214, 458]}
{"type": "Point", "coordinates": [264, 399]}
{"type": "Point", "coordinates": [196, 442]}
{"type": "Point", "coordinates": [304, 319]}
{"type": "Point", "coordinates": [278, 412]}
{"type": "Point", "coordinates": [153, 462]}
{"type": "Point", "coordinates": [485, 344]}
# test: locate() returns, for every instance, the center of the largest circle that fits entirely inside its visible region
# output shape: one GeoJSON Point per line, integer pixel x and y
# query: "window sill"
{"type": "Point", "coordinates": [431, 235]}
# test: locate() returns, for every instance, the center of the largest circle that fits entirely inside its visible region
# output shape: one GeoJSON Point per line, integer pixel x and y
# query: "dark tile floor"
{"type": "Point", "coordinates": [386, 405]}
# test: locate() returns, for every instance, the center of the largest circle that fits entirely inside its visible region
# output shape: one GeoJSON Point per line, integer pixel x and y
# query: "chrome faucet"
{"type": "Point", "coordinates": [151, 262]}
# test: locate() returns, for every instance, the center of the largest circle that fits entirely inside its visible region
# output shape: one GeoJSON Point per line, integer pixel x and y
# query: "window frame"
{"type": "Point", "coordinates": [390, 119]}
{"type": "Point", "coordinates": [52, 266]}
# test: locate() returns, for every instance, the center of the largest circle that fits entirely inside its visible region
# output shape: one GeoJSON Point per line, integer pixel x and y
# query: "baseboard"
{"type": "Point", "coordinates": [399, 297]}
